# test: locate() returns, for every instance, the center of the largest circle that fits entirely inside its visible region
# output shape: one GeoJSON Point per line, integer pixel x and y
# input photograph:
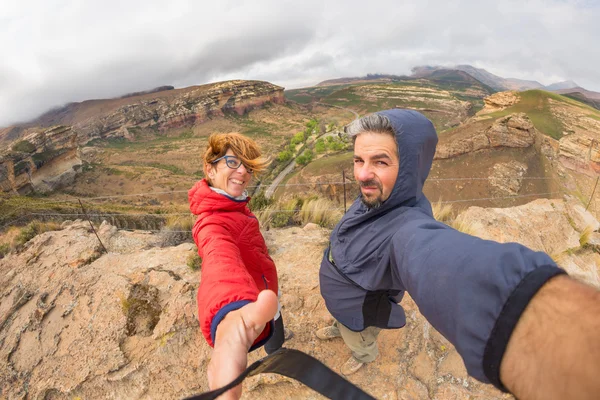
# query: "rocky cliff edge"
{"type": "Point", "coordinates": [79, 324]}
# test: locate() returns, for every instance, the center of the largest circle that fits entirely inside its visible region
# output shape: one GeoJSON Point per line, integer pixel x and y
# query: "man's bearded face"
{"type": "Point", "coordinates": [376, 165]}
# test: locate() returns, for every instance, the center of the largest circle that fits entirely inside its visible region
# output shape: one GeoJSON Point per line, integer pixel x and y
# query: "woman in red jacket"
{"type": "Point", "coordinates": [236, 265]}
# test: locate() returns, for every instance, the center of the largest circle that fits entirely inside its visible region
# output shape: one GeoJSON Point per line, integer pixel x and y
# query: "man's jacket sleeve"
{"type": "Point", "coordinates": [225, 283]}
{"type": "Point", "coordinates": [473, 291]}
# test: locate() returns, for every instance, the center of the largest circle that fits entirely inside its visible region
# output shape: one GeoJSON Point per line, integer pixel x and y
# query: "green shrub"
{"type": "Point", "coordinates": [311, 126]}
{"type": "Point", "coordinates": [305, 157]}
{"type": "Point", "coordinates": [259, 202]}
{"type": "Point", "coordinates": [4, 249]}
{"type": "Point", "coordinates": [194, 262]}
{"type": "Point", "coordinates": [320, 146]}
{"type": "Point", "coordinates": [281, 219]}
{"type": "Point", "coordinates": [337, 145]}
{"type": "Point", "coordinates": [298, 138]}
{"type": "Point", "coordinates": [280, 214]}
{"type": "Point", "coordinates": [284, 156]}
{"type": "Point", "coordinates": [23, 146]}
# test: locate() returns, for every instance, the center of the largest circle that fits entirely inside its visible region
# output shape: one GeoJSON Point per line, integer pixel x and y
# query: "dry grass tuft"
{"type": "Point", "coordinates": [320, 211]}
{"type": "Point", "coordinates": [463, 225]}
{"type": "Point", "coordinates": [584, 237]}
{"type": "Point", "coordinates": [280, 214]}
{"type": "Point", "coordinates": [298, 210]}
{"type": "Point", "coordinates": [30, 231]}
{"type": "Point", "coordinates": [442, 212]}
{"type": "Point", "coordinates": [177, 230]}
{"type": "Point", "coordinates": [265, 216]}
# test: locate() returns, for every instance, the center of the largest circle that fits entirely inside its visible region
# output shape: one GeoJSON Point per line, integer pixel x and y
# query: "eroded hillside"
{"type": "Point", "coordinates": [519, 147]}
{"type": "Point", "coordinates": [153, 123]}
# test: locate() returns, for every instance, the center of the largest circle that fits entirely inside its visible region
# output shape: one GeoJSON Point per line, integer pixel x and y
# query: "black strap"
{"type": "Point", "coordinates": [301, 367]}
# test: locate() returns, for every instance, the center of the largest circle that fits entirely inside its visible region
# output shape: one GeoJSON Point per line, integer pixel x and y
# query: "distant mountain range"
{"type": "Point", "coordinates": [495, 82]}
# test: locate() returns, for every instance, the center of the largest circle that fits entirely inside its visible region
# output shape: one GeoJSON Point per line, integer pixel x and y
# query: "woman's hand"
{"type": "Point", "coordinates": [235, 334]}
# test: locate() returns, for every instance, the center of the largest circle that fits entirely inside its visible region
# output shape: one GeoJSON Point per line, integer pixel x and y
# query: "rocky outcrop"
{"type": "Point", "coordinates": [59, 173]}
{"type": "Point", "coordinates": [76, 323]}
{"type": "Point", "coordinates": [553, 226]}
{"type": "Point", "coordinates": [579, 147]}
{"type": "Point", "coordinates": [499, 101]}
{"type": "Point", "coordinates": [514, 130]}
{"type": "Point", "coordinates": [506, 178]}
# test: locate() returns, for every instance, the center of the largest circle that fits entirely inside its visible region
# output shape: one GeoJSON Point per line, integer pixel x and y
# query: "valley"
{"type": "Point", "coordinates": [510, 166]}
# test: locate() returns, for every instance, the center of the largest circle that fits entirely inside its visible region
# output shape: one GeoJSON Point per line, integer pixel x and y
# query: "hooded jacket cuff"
{"type": "Point", "coordinates": [509, 317]}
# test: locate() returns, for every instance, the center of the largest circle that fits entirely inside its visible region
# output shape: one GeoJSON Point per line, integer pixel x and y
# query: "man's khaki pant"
{"type": "Point", "coordinates": [363, 344]}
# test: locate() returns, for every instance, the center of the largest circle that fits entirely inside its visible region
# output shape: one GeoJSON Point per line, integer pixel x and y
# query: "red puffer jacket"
{"type": "Point", "coordinates": [235, 262]}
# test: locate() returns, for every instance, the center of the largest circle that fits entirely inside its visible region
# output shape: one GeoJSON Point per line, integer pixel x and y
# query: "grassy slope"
{"type": "Point", "coordinates": [356, 96]}
{"type": "Point", "coordinates": [448, 82]}
{"type": "Point", "coordinates": [535, 104]}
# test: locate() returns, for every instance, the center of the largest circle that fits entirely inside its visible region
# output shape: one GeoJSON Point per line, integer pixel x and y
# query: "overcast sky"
{"type": "Point", "coordinates": [59, 51]}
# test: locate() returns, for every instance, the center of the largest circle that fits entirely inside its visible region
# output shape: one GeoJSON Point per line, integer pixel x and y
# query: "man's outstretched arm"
{"type": "Point", "coordinates": [554, 351]}
{"type": "Point", "coordinates": [476, 292]}
{"type": "Point", "coordinates": [235, 334]}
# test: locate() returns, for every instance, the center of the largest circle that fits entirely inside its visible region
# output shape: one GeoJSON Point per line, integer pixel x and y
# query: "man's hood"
{"type": "Point", "coordinates": [416, 139]}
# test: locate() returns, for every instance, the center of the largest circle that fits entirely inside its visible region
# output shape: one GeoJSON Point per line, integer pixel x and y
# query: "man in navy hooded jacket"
{"type": "Point", "coordinates": [388, 242]}
{"type": "Point", "coordinates": [514, 317]}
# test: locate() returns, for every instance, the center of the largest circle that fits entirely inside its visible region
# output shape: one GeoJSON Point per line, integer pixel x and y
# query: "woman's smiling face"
{"type": "Point", "coordinates": [232, 181]}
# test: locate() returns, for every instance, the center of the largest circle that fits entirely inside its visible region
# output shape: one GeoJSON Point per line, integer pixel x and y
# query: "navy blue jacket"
{"type": "Point", "coordinates": [473, 291]}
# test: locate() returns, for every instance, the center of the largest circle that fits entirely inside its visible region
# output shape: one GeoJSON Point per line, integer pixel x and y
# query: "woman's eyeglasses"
{"type": "Point", "coordinates": [232, 162]}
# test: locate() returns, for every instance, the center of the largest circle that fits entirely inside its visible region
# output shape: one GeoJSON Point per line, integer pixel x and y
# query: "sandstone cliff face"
{"type": "Point", "coordinates": [22, 172]}
{"type": "Point", "coordinates": [181, 109]}
{"type": "Point", "coordinates": [77, 323]}
{"type": "Point", "coordinates": [514, 130]}
{"type": "Point", "coordinates": [580, 153]}
{"type": "Point", "coordinates": [579, 148]}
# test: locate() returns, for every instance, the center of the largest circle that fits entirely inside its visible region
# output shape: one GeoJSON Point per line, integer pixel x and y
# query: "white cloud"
{"type": "Point", "coordinates": [57, 51]}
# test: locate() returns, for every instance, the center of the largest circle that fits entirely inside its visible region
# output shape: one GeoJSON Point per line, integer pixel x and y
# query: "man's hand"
{"type": "Point", "coordinates": [554, 353]}
{"type": "Point", "coordinates": [235, 334]}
